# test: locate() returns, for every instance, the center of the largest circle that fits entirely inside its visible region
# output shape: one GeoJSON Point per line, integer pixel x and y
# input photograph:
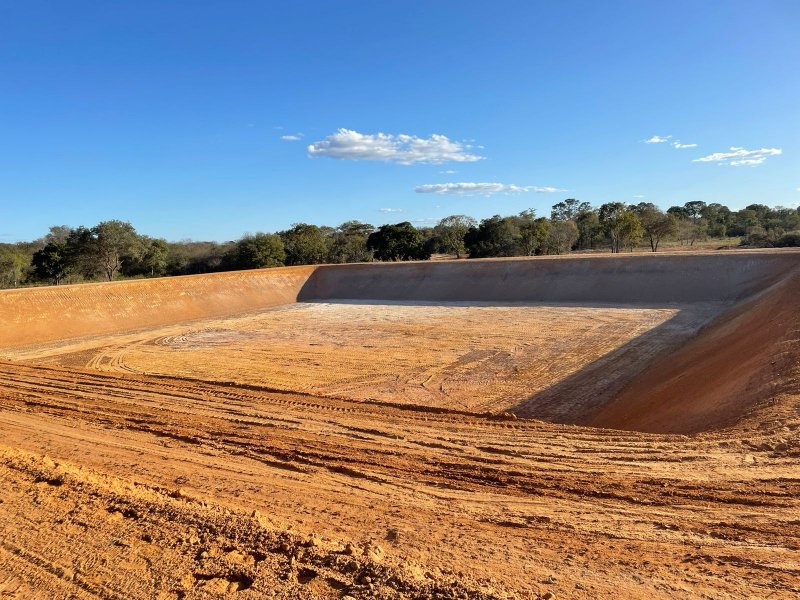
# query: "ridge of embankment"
{"type": "Point", "coordinates": [46, 314]}
{"type": "Point", "coordinates": [655, 279]}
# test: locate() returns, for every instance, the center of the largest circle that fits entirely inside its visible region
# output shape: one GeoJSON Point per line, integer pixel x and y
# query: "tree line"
{"type": "Point", "coordinates": [114, 249]}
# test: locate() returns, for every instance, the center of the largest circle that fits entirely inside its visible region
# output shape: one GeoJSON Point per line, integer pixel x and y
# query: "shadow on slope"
{"type": "Point", "coordinates": [577, 397]}
{"type": "Point", "coordinates": [741, 369]}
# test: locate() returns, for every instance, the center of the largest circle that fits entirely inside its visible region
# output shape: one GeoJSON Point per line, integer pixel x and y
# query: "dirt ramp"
{"type": "Point", "coordinates": [748, 357]}
{"type": "Point", "coordinates": [37, 315]}
{"type": "Point", "coordinates": [642, 278]}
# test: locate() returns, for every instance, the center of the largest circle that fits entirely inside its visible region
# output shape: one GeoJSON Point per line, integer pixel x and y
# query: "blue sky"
{"type": "Point", "coordinates": [171, 114]}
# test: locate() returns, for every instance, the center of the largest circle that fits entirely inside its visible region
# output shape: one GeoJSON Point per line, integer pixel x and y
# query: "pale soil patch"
{"type": "Point", "coordinates": [469, 356]}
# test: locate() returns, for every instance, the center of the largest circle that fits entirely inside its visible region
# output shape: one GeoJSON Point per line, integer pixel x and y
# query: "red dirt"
{"type": "Point", "coordinates": [128, 485]}
{"type": "Point", "coordinates": [748, 357]}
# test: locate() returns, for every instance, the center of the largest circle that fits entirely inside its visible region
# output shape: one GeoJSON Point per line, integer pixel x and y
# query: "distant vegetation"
{"type": "Point", "coordinates": [114, 249]}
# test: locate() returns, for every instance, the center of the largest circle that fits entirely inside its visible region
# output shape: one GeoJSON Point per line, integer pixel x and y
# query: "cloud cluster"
{"type": "Point", "coordinates": [292, 138]}
{"type": "Point", "coordinates": [663, 139]}
{"type": "Point", "coordinates": [546, 190]}
{"type": "Point", "coordinates": [403, 149]}
{"type": "Point", "coordinates": [740, 157]}
{"type": "Point", "coordinates": [477, 188]}
{"type": "Point", "coordinates": [657, 139]}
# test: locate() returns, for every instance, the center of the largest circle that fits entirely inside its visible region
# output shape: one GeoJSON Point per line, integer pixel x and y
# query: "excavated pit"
{"type": "Point", "coordinates": [664, 343]}
{"type": "Point", "coordinates": [335, 431]}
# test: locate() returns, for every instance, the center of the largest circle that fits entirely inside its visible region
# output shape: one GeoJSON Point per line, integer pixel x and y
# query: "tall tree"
{"type": "Point", "coordinates": [304, 244]}
{"type": "Point", "coordinates": [561, 237]}
{"type": "Point", "coordinates": [495, 236]}
{"type": "Point", "coordinates": [51, 263]}
{"type": "Point", "coordinates": [718, 218]}
{"type": "Point", "coordinates": [154, 258]}
{"type": "Point", "coordinates": [590, 232]}
{"type": "Point", "coordinates": [450, 233]}
{"type": "Point", "coordinates": [259, 251]}
{"type": "Point", "coordinates": [621, 225]}
{"type": "Point", "coordinates": [694, 209]}
{"type": "Point", "coordinates": [656, 224]}
{"type": "Point", "coordinates": [689, 231]}
{"type": "Point", "coordinates": [349, 243]}
{"type": "Point", "coordinates": [13, 263]}
{"type": "Point", "coordinates": [112, 242]}
{"type": "Point", "coordinates": [401, 241]}
{"type": "Point", "coordinates": [533, 234]}
{"type": "Point", "coordinates": [569, 210]}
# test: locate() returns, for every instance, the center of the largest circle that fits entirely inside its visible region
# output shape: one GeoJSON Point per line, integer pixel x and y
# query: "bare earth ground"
{"type": "Point", "coordinates": [156, 480]}
{"type": "Point", "coordinates": [469, 356]}
{"type": "Point", "coordinates": [272, 454]}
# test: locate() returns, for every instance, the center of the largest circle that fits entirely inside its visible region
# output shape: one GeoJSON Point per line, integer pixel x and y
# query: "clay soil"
{"type": "Point", "coordinates": [382, 450]}
{"type": "Point", "coordinates": [465, 356]}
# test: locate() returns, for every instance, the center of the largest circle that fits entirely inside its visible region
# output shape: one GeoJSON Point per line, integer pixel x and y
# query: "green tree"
{"type": "Point", "coordinates": [533, 234]}
{"type": "Point", "coordinates": [689, 231]}
{"type": "Point", "coordinates": [561, 237]}
{"type": "Point", "coordinates": [259, 251]}
{"type": "Point", "coordinates": [13, 264]}
{"type": "Point", "coordinates": [656, 224]}
{"type": "Point", "coordinates": [51, 263]}
{"type": "Point", "coordinates": [80, 255]}
{"type": "Point", "coordinates": [304, 244]}
{"type": "Point", "coordinates": [694, 209]}
{"type": "Point", "coordinates": [590, 232]}
{"type": "Point", "coordinates": [680, 212]}
{"type": "Point", "coordinates": [349, 243]}
{"type": "Point", "coordinates": [112, 242]}
{"type": "Point", "coordinates": [154, 258]}
{"type": "Point", "coordinates": [450, 233]}
{"type": "Point", "coordinates": [569, 210]}
{"type": "Point", "coordinates": [620, 225]}
{"type": "Point", "coordinates": [718, 217]}
{"type": "Point", "coordinates": [495, 236]}
{"type": "Point", "coordinates": [401, 241]}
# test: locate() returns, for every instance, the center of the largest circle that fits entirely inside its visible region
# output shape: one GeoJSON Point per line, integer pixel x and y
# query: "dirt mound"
{"type": "Point", "coordinates": [748, 357]}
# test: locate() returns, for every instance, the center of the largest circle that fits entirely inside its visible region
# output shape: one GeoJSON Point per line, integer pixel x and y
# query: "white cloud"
{"type": "Point", "coordinates": [403, 149]}
{"type": "Point", "coordinates": [469, 188]}
{"type": "Point", "coordinates": [448, 172]}
{"type": "Point", "coordinates": [391, 210]}
{"type": "Point", "coordinates": [292, 138]}
{"type": "Point", "coordinates": [546, 190]}
{"type": "Point", "coordinates": [663, 139]}
{"type": "Point", "coordinates": [639, 196]}
{"type": "Point", "coordinates": [738, 157]}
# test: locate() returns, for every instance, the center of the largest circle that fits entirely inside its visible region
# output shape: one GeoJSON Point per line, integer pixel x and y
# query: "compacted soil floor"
{"type": "Point", "coordinates": [524, 358]}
